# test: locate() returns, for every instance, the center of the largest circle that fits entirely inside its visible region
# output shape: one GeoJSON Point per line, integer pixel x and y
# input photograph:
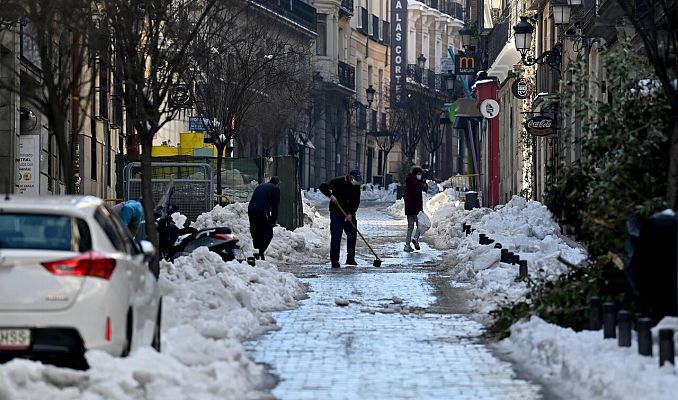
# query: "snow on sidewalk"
{"type": "Point", "coordinates": [210, 307]}
{"type": "Point", "coordinates": [589, 366]}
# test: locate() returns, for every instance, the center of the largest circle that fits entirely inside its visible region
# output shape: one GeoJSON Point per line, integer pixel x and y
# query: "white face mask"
{"type": "Point", "coordinates": [418, 177]}
{"type": "Point", "coordinates": [354, 182]}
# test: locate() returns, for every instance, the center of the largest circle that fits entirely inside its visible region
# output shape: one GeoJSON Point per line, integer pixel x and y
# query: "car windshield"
{"type": "Point", "coordinates": [43, 232]}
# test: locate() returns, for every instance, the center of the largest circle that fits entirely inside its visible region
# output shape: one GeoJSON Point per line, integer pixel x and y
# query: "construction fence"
{"type": "Point", "coordinates": [195, 182]}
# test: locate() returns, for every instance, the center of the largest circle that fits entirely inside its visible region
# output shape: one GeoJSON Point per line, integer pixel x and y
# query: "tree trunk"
{"type": "Point", "coordinates": [385, 167]}
{"type": "Point", "coordinates": [148, 202]}
{"type": "Point", "coordinates": [65, 154]}
{"type": "Point", "coordinates": [220, 152]}
{"type": "Point", "coordinates": [672, 184]}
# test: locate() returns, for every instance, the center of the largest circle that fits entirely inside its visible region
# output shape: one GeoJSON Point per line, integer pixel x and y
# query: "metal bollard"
{"type": "Point", "coordinates": [624, 328]}
{"type": "Point", "coordinates": [509, 257]}
{"type": "Point", "coordinates": [504, 254]}
{"type": "Point", "coordinates": [595, 313]}
{"type": "Point", "coordinates": [463, 227]}
{"type": "Point", "coordinates": [666, 349]}
{"type": "Point", "coordinates": [609, 321]}
{"type": "Point", "coordinates": [489, 241]}
{"type": "Point", "coordinates": [522, 269]}
{"type": "Point", "coordinates": [497, 245]}
{"type": "Point", "coordinates": [482, 238]}
{"type": "Point", "coordinates": [644, 336]}
{"type": "Point", "coordinates": [515, 259]}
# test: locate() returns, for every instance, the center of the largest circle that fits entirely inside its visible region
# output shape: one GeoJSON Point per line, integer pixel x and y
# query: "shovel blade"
{"type": "Point", "coordinates": [377, 263]}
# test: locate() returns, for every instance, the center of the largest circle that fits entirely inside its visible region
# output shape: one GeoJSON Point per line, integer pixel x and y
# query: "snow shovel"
{"type": "Point", "coordinates": [377, 262]}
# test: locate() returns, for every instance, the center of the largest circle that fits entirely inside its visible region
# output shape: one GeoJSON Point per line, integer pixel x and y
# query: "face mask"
{"type": "Point", "coordinates": [418, 177]}
{"type": "Point", "coordinates": [354, 182]}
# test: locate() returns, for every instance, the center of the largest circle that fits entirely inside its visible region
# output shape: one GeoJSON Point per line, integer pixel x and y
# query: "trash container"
{"type": "Point", "coordinates": [400, 192]}
{"type": "Point", "coordinates": [471, 201]}
{"type": "Point", "coordinates": [651, 263]}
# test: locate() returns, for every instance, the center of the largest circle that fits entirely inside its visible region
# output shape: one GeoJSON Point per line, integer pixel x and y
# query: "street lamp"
{"type": "Point", "coordinates": [561, 13]}
{"type": "Point", "coordinates": [465, 35]}
{"type": "Point", "coordinates": [369, 92]}
{"type": "Point", "coordinates": [449, 80]}
{"type": "Point", "coordinates": [523, 31]}
{"type": "Point", "coordinates": [574, 2]}
{"type": "Point", "coordinates": [421, 61]}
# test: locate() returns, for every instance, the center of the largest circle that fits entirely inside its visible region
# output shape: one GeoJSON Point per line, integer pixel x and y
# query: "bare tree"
{"type": "Point", "coordinates": [245, 70]}
{"type": "Point", "coordinates": [153, 41]}
{"type": "Point", "coordinates": [60, 33]}
{"type": "Point", "coordinates": [432, 136]}
{"type": "Point", "coordinates": [656, 24]}
{"type": "Point", "coordinates": [413, 121]}
{"type": "Point", "coordinates": [387, 141]}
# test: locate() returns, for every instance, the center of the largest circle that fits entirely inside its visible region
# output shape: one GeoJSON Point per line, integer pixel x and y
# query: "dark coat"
{"type": "Point", "coordinates": [346, 193]}
{"type": "Point", "coordinates": [412, 196]}
{"type": "Point", "coordinates": [265, 201]}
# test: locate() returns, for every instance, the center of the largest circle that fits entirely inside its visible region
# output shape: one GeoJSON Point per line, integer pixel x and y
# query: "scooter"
{"type": "Point", "coordinates": [175, 242]}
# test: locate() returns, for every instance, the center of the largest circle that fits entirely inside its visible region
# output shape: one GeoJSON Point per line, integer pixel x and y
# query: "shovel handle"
{"type": "Point", "coordinates": [356, 229]}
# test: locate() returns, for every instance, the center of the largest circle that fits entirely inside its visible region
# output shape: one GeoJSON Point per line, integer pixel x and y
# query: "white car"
{"type": "Point", "coordinates": [72, 279]}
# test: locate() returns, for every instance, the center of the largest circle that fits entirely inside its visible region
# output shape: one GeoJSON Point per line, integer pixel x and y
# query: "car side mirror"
{"type": "Point", "coordinates": [147, 248]}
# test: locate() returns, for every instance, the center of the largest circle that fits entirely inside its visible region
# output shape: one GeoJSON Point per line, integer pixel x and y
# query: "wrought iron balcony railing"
{"type": "Point", "coordinates": [294, 10]}
{"type": "Point", "coordinates": [346, 75]}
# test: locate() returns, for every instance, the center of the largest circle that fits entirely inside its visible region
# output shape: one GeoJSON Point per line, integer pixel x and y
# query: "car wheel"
{"type": "Point", "coordinates": [128, 334]}
{"type": "Point", "coordinates": [158, 326]}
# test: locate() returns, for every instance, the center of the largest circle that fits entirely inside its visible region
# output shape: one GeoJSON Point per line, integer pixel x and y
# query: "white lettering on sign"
{"type": "Point", "coordinates": [399, 45]}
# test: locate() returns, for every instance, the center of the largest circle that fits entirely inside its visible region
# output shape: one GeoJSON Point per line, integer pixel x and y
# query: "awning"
{"type": "Point", "coordinates": [467, 108]}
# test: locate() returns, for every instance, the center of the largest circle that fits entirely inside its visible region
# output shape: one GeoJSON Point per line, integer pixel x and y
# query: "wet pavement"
{"type": "Point", "coordinates": [403, 335]}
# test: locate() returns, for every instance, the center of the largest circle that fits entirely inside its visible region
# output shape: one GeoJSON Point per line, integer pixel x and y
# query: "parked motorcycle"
{"type": "Point", "coordinates": [175, 242]}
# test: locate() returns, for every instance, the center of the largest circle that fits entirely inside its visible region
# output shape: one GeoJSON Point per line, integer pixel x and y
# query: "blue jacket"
{"type": "Point", "coordinates": [265, 201]}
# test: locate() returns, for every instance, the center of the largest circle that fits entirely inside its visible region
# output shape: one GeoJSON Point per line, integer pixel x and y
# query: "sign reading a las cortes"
{"type": "Point", "coordinates": [398, 53]}
{"type": "Point", "coordinates": [540, 125]}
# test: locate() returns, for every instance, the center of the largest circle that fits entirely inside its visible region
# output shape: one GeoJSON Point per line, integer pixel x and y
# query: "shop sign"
{"type": "Point", "coordinates": [489, 108]}
{"type": "Point", "coordinates": [540, 125]}
{"type": "Point", "coordinates": [398, 52]}
{"type": "Point", "coordinates": [519, 88]}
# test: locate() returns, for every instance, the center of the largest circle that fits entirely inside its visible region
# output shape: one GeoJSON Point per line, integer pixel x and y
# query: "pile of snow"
{"type": "Point", "coordinates": [591, 366]}
{"type": "Point", "coordinates": [210, 307]}
{"type": "Point", "coordinates": [372, 193]}
{"type": "Point", "coordinates": [397, 209]}
{"type": "Point", "coordinates": [301, 246]}
{"type": "Point", "coordinates": [523, 227]}
{"type": "Point", "coordinates": [315, 195]}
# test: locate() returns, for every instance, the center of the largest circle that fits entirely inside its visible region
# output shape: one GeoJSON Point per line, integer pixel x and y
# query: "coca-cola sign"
{"type": "Point", "coordinates": [540, 125]}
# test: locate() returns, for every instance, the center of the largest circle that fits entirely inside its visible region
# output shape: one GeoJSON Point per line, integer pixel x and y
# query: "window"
{"type": "Point", "coordinates": [93, 153]}
{"type": "Point", "coordinates": [105, 221]}
{"type": "Point", "coordinates": [321, 41]}
{"type": "Point", "coordinates": [44, 232]}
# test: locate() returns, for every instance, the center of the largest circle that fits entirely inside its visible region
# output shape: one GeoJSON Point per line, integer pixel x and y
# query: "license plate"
{"type": "Point", "coordinates": [15, 339]}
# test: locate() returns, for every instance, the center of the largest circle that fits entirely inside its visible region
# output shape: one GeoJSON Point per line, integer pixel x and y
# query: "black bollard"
{"type": "Point", "coordinates": [497, 245]}
{"type": "Point", "coordinates": [509, 257]}
{"type": "Point", "coordinates": [504, 254]}
{"type": "Point", "coordinates": [482, 238]}
{"type": "Point", "coordinates": [666, 349]}
{"type": "Point", "coordinates": [595, 313]}
{"type": "Point", "coordinates": [515, 259]}
{"type": "Point", "coordinates": [463, 227]}
{"type": "Point", "coordinates": [489, 241]}
{"type": "Point", "coordinates": [609, 321]}
{"type": "Point", "coordinates": [644, 336]}
{"type": "Point", "coordinates": [624, 328]}
{"type": "Point", "coordinates": [522, 269]}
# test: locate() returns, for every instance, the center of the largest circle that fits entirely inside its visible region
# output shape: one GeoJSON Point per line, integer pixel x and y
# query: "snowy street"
{"type": "Point", "coordinates": [403, 335]}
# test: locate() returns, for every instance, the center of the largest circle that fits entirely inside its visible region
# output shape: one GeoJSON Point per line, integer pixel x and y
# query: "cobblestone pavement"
{"type": "Point", "coordinates": [378, 347]}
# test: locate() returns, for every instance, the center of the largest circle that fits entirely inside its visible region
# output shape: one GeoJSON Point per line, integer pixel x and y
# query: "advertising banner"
{"type": "Point", "coordinates": [398, 50]}
{"type": "Point", "coordinates": [28, 178]}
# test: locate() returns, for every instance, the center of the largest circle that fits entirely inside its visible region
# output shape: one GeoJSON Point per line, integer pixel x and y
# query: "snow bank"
{"type": "Point", "coordinates": [303, 245]}
{"type": "Point", "coordinates": [368, 192]}
{"type": "Point", "coordinates": [588, 364]}
{"type": "Point", "coordinates": [209, 308]}
{"type": "Point", "coordinates": [524, 227]}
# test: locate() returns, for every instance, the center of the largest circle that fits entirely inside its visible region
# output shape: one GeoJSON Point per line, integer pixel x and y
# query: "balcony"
{"type": "Point", "coordinates": [294, 10]}
{"type": "Point", "coordinates": [346, 75]}
{"type": "Point", "coordinates": [598, 16]}
{"type": "Point", "coordinates": [425, 77]}
{"type": "Point", "coordinates": [499, 36]}
{"type": "Point", "coordinates": [346, 8]}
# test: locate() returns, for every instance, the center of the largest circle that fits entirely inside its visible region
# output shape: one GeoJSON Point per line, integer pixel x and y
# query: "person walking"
{"type": "Point", "coordinates": [263, 214]}
{"type": "Point", "coordinates": [414, 186]}
{"type": "Point", "coordinates": [344, 192]}
{"type": "Point", "coordinates": [131, 212]}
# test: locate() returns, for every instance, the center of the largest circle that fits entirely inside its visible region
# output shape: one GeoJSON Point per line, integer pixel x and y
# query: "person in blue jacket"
{"type": "Point", "coordinates": [131, 213]}
{"type": "Point", "coordinates": [263, 214]}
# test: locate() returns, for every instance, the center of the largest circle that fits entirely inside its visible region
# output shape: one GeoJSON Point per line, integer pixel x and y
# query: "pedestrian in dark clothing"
{"type": "Point", "coordinates": [343, 191]}
{"type": "Point", "coordinates": [414, 186]}
{"type": "Point", "coordinates": [263, 214]}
